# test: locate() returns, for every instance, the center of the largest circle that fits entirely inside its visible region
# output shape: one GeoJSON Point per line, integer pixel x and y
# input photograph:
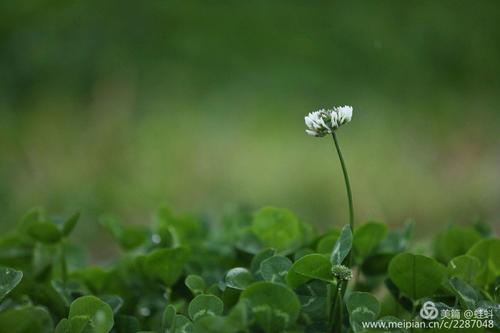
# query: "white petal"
{"type": "Point", "coordinates": [311, 133]}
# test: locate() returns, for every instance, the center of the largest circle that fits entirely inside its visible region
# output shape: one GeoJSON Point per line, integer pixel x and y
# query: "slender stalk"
{"type": "Point", "coordinates": [332, 300]}
{"type": "Point", "coordinates": [343, 284]}
{"type": "Point", "coordinates": [348, 188]}
{"type": "Point", "coordinates": [336, 304]}
{"type": "Point", "coordinates": [341, 311]}
{"type": "Point", "coordinates": [329, 300]}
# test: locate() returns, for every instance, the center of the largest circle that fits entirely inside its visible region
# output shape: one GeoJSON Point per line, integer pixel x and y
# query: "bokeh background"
{"type": "Point", "coordinates": [121, 106]}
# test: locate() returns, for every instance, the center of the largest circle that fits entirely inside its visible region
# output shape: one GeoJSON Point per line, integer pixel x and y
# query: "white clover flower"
{"type": "Point", "coordinates": [322, 122]}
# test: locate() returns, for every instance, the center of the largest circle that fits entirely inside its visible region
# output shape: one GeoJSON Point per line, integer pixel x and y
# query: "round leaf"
{"type": "Point", "coordinates": [277, 228]}
{"type": "Point", "coordinates": [487, 252]}
{"type": "Point", "coordinates": [311, 266]}
{"type": "Point", "coordinates": [238, 278]}
{"type": "Point", "coordinates": [415, 275]}
{"type": "Point", "coordinates": [326, 243]}
{"type": "Point", "coordinates": [205, 305]}
{"type": "Point", "coordinates": [454, 241]}
{"type": "Point", "coordinates": [367, 237]}
{"type": "Point", "coordinates": [465, 267]}
{"type": "Point", "coordinates": [274, 306]}
{"type": "Point", "coordinates": [363, 307]}
{"type": "Point", "coordinates": [195, 283]}
{"type": "Point", "coordinates": [97, 314]}
{"type": "Point", "coordinates": [275, 269]}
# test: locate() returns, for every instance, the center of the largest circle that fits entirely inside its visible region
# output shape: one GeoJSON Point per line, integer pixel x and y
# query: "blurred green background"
{"type": "Point", "coordinates": [120, 106]}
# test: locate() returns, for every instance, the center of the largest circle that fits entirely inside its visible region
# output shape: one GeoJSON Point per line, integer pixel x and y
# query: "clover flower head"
{"type": "Point", "coordinates": [322, 122]}
{"type": "Point", "coordinates": [342, 272]}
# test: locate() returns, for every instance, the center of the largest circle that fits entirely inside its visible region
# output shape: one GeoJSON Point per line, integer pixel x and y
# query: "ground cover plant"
{"type": "Point", "coordinates": [253, 271]}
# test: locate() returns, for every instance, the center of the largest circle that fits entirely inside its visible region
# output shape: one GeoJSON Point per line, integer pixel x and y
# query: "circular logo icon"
{"type": "Point", "coordinates": [429, 311]}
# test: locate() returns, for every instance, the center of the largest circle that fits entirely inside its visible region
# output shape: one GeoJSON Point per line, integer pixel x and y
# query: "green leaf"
{"type": "Point", "coordinates": [205, 305]}
{"type": "Point", "coordinates": [70, 223]}
{"type": "Point", "coordinates": [342, 246]}
{"type": "Point", "coordinates": [64, 326]}
{"type": "Point", "coordinates": [467, 295]}
{"type": "Point", "coordinates": [274, 306]}
{"type": "Point", "coordinates": [92, 313]}
{"type": "Point", "coordinates": [277, 228]}
{"type": "Point", "coordinates": [238, 278]}
{"type": "Point", "coordinates": [313, 300]}
{"type": "Point", "coordinates": [26, 319]}
{"type": "Point", "coordinates": [239, 318]}
{"type": "Point", "coordinates": [183, 324]}
{"type": "Point", "coordinates": [487, 252]}
{"type": "Point", "coordinates": [195, 284]}
{"type": "Point", "coordinates": [367, 237]}
{"type": "Point", "coordinates": [44, 231]}
{"type": "Point", "coordinates": [362, 307]}
{"type": "Point", "coordinates": [275, 268]}
{"type": "Point", "coordinates": [166, 264]}
{"type": "Point", "coordinates": [311, 266]}
{"type": "Point", "coordinates": [464, 267]}
{"type": "Point", "coordinates": [258, 258]}
{"type": "Point", "coordinates": [454, 241]}
{"type": "Point", "coordinates": [326, 243]}
{"type": "Point", "coordinates": [415, 275]}
{"type": "Point", "coordinates": [9, 279]}
{"type": "Point", "coordinates": [168, 319]}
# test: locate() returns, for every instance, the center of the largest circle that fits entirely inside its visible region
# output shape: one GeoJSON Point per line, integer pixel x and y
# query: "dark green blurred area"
{"type": "Point", "coordinates": [120, 106]}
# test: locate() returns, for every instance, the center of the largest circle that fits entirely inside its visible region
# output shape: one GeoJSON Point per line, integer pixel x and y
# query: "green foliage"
{"type": "Point", "coordinates": [311, 266]}
{"type": "Point", "coordinates": [166, 264]}
{"type": "Point", "coordinates": [367, 237]}
{"type": "Point", "coordinates": [183, 276]}
{"type": "Point", "coordinates": [362, 307]}
{"type": "Point", "coordinates": [487, 251]}
{"type": "Point", "coordinates": [9, 279]}
{"type": "Point", "coordinates": [90, 314]}
{"type": "Point", "coordinates": [454, 241]}
{"type": "Point", "coordinates": [415, 275]}
{"type": "Point", "coordinates": [274, 306]}
{"type": "Point", "coordinates": [195, 283]}
{"type": "Point", "coordinates": [277, 228]}
{"type": "Point", "coordinates": [205, 305]}
{"type": "Point", "coordinates": [342, 247]}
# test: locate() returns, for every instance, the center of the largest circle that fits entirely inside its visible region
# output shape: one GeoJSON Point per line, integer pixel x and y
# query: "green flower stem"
{"type": "Point", "coordinates": [343, 284]}
{"type": "Point", "coordinates": [332, 300]}
{"type": "Point", "coordinates": [331, 306]}
{"type": "Point", "coordinates": [348, 188]}
{"type": "Point", "coordinates": [341, 311]}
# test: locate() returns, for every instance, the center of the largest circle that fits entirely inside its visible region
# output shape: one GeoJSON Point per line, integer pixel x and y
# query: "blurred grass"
{"type": "Point", "coordinates": [120, 106]}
